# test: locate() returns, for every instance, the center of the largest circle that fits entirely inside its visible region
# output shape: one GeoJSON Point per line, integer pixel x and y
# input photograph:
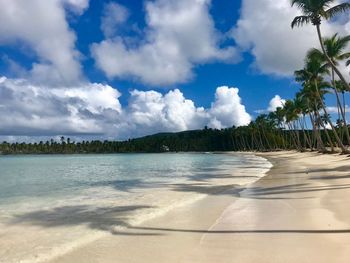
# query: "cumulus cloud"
{"type": "Point", "coordinates": [151, 112]}
{"type": "Point", "coordinates": [178, 35]}
{"type": "Point", "coordinates": [334, 109]}
{"type": "Point", "coordinates": [264, 30]}
{"type": "Point", "coordinates": [94, 110]}
{"type": "Point", "coordinates": [78, 6]}
{"type": "Point", "coordinates": [274, 103]}
{"type": "Point", "coordinates": [227, 110]}
{"type": "Point", "coordinates": [42, 26]}
{"type": "Point", "coordinates": [27, 109]}
{"type": "Point", "coordinates": [114, 15]}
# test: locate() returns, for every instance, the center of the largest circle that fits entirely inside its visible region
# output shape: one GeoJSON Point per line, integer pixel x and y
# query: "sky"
{"type": "Point", "coordinates": [94, 69]}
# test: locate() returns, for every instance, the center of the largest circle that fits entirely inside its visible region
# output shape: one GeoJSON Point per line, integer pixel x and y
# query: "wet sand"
{"type": "Point", "coordinates": [298, 212]}
{"type": "Point", "coordinates": [90, 224]}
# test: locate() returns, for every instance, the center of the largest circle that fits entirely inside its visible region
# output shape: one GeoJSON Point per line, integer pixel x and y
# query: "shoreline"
{"type": "Point", "coordinates": [40, 234]}
{"type": "Point", "coordinates": [296, 213]}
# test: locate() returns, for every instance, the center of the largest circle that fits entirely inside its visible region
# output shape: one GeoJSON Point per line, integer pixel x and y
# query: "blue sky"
{"type": "Point", "coordinates": [256, 89]}
{"type": "Point", "coordinates": [127, 68]}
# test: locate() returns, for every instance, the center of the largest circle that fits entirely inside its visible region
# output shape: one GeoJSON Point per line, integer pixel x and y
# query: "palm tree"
{"type": "Point", "coordinates": [301, 109]}
{"type": "Point", "coordinates": [334, 47]}
{"type": "Point", "coordinates": [313, 12]}
{"type": "Point", "coordinates": [308, 94]}
{"type": "Point", "coordinates": [311, 76]}
{"type": "Point", "coordinates": [291, 115]}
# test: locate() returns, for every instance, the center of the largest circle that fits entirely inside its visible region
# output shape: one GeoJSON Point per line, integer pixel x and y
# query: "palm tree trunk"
{"type": "Point", "coordinates": [320, 146]}
{"type": "Point", "coordinates": [307, 133]}
{"type": "Point", "coordinates": [340, 144]}
{"type": "Point", "coordinates": [326, 131]}
{"type": "Point", "coordinates": [306, 139]}
{"type": "Point", "coordinates": [293, 136]}
{"type": "Point", "coordinates": [342, 111]}
{"type": "Point", "coordinates": [329, 59]}
{"type": "Point", "coordinates": [344, 103]}
{"type": "Point", "coordinates": [296, 130]}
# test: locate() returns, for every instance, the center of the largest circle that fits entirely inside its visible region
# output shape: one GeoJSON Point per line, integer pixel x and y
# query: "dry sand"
{"type": "Point", "coordinates": [299, 212]}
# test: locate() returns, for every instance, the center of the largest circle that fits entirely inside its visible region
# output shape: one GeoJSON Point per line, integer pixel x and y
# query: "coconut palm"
{"type": "Point", "coordinates": [311, 76]}
{"type": "Point", "coordinates": [301, 109]}
{"type": "Point", "coordinates": [313, 12]}
{"type": "Point", "coordinates": [309, 94]}
{"type": "Point", "coordinates": [334, 47]}
{"type": "Point", "coordinates": [291, 115]}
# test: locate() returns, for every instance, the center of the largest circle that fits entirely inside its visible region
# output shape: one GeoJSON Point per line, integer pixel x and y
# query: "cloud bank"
{"type": "Point", "coordinates": [178, 35]}
{"type": "Point", "coordinates": [42, 27]}
{"type": "Point", "coordinates": [264, 30]}
{"type": "Point", "coordinates": [94, 110]}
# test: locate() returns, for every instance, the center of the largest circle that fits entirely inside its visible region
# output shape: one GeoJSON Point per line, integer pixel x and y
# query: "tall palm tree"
{"type": "Point", "coordinates": [291, 115]}
{"type": "Point", "coordinates": [301, 109]}
{"type": "Point", "coordinates": [313, 12]}
{"type": "Point", "coordinates": [308, 94]}
{"type": "Point", "coordinates": [311, 75]}
{"type": "Point", "coordinates": [334, 47]}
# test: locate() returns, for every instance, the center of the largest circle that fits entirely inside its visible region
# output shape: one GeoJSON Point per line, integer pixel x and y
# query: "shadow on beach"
{"type": "Point", "coordinates": [101, 218]}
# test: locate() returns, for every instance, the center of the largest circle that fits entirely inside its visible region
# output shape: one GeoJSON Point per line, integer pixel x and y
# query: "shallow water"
{"type": "Point", "coordinates": [56, 203]}
{"type": "Point", "coordinates": [36, 178]}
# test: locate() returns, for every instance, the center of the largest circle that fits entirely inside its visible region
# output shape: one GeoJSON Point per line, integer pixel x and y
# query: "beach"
{"type": "Point", "coordinates": [53, 205]}
{"type": "Point", "coordinates": [298, 212]}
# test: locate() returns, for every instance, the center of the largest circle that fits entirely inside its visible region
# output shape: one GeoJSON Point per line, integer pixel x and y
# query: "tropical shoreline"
{"type": "Point", "coordinates": [40, 228]}
{"type": "Point", "coordinates": [299, 206]}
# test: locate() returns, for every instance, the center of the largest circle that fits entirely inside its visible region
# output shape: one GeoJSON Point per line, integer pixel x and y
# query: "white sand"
{"type": "Point", "coordinates": [91, 229]}
{"type": "Point", "coordinates": [299, 213]}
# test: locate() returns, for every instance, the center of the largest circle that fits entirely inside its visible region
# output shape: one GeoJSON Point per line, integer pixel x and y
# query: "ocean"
{"type": "Point", "coordinates": [50, 204]}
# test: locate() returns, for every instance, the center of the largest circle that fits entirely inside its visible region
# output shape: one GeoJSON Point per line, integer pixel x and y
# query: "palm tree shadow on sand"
{"type": "Point", "coordinates": [100, 218]}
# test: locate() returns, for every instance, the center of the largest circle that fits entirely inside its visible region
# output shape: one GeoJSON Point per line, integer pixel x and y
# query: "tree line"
{"type": "Point", "coordinates": [264, 134]}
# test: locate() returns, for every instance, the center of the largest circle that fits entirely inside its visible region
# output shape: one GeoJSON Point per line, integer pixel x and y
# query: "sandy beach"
{"type": "Point", "coordinates": [298, 212]}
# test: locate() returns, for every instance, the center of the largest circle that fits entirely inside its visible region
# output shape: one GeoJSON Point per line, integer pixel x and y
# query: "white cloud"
{"type": "Point", "coordinates": [150, 112]}
{"type": "Point", "coordinates": [227, 110]}
{"type": "Point", "coordinates": [274, 103]}
{"type": "Point", "coordinates": [264, 30]}
{"type": "Point", "coordinates": [334, 109]}
{"type": "Point", "coordinates": [94, 110]}
{"type": "Point", "coordinates": [114, 15]}
{"type": "Point", "coordinates": [178, 35]}
{"type": "Point", "coordinates": [27, 109]}
{"type": "Point", "coordinates": [78, 6]}
{"type": "Point", "coordinates": [42, 26]}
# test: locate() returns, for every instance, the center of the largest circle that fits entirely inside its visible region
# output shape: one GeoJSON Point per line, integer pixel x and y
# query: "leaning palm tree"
{"type": "Point", "coordinates": [313, 12]}
{"type": "Point", "coordinates": [335, 47]}
{"type": "Point", "coordinates": [291, 114]}
{"type": "Point", "coordinates": [311, 94]}
{"type": "Point", "coordinates": [301, 109]}
{"type": "Point", "coordinates": [311, 75]}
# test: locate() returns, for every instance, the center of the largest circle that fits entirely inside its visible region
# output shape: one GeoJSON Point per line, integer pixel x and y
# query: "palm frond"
{"type": "Point", "coordinates": [343, 41]}
{"type": "Point", "coordinates": [344, 56]}
{"type": "Point", "coordinates": [300, 21]}
{"type": "Point", "coordinates": [299, 3]}
{"type": "Point", "coordinates": [316, 53]}
{"type": "Point", "coordinates": [341, 8]}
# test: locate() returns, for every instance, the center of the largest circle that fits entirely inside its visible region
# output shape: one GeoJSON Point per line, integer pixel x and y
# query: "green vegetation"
{"type": "Point", "coordinates": [265, 134]}
{"type": "Point", "coordinates": [303, 123]}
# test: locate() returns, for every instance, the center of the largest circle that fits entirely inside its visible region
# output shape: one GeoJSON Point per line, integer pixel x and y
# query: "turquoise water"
{"type": "Point", "coordinates": [51, 204]}
{"type": "Point", "coordinates": [33, 180]}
